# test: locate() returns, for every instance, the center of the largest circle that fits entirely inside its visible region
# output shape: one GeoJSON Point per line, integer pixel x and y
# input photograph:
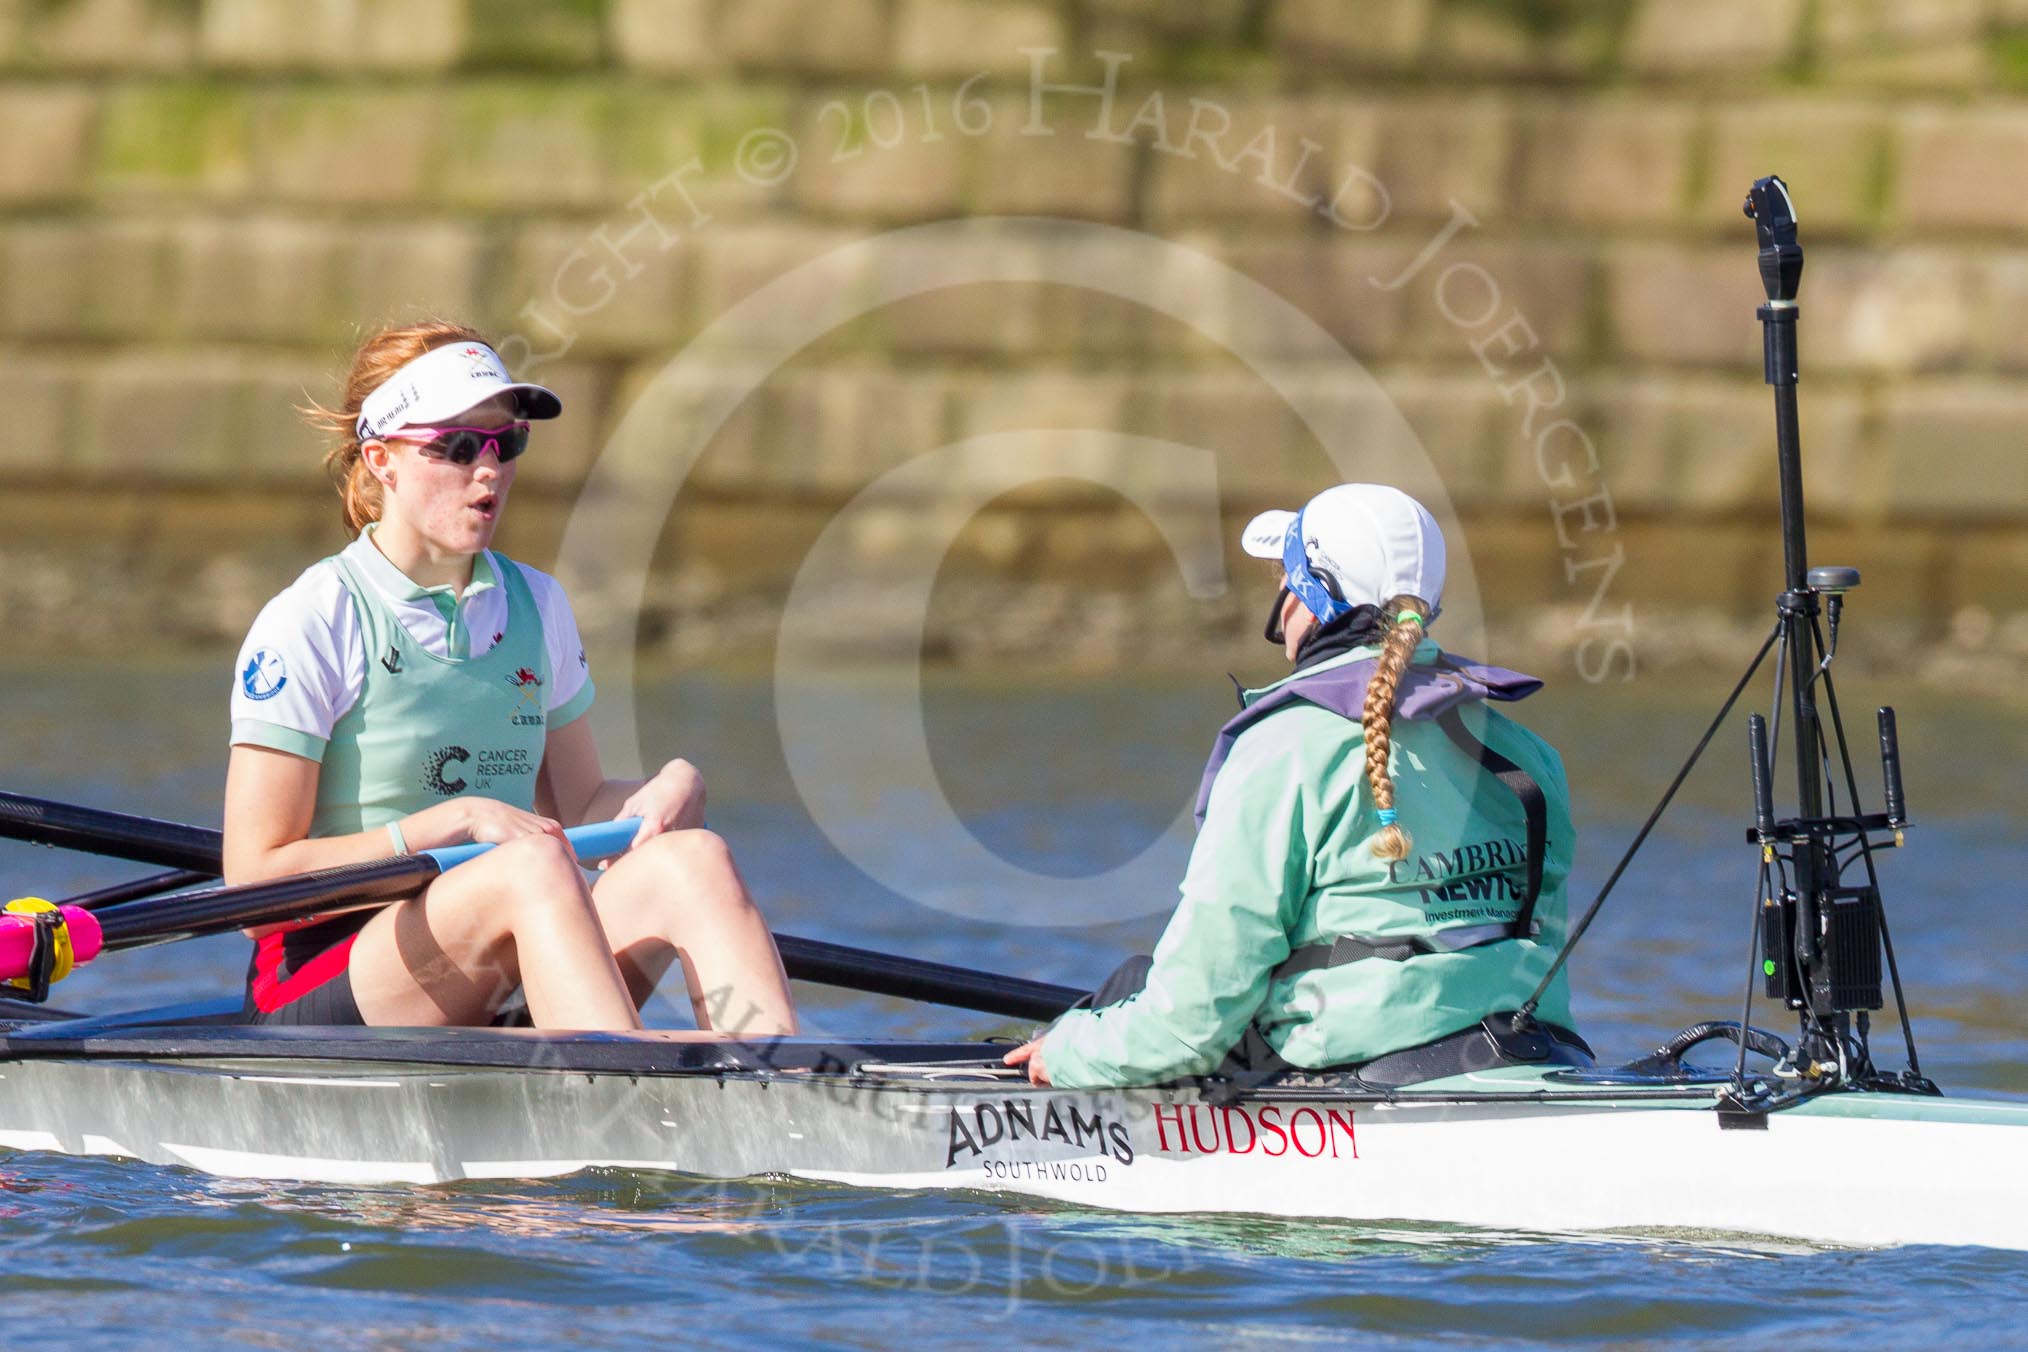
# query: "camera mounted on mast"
{"type": "Point", "coordinates": [1819, 941]}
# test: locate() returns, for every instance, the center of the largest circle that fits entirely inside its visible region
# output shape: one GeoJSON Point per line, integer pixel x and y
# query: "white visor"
{"type": "Point", "coordinates": [1375, 543]}
{"type": "Point", "coordinates": [444, 382]}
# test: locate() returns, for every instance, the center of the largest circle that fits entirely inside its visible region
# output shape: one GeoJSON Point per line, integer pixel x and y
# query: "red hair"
{"type": "Point", "coordinates": [377, 359]}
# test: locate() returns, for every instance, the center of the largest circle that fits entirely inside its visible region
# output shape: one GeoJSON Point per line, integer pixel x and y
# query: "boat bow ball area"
{"type": "Point", "coordinates": [1763, 1136]}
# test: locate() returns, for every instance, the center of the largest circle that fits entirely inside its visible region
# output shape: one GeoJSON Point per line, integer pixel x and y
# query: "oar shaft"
{"type": "Point", "coordinates": [128, 924]}
{"type": "Point", "coordinates": [153, 885]}
{"type": "Point", "coordinates": [914, 979]}
{"type": "Point", "coordinates": [349, 887]}
{"type": "Point", "coordinates": [145, 840]}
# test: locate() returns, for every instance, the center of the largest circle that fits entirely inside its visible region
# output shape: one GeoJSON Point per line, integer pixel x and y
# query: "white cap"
{"type": "Point", "coordinates": [445, 381]}
{"type": "Point", "coordinates": [1372, 541]}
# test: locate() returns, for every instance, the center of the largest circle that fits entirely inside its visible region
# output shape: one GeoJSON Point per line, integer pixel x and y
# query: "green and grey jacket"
{"type": "Point", "coordinates": [1284, 862]}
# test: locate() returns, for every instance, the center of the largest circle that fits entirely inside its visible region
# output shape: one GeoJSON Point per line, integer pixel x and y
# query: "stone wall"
{"type": "Point", "coordinates": [203, 202]}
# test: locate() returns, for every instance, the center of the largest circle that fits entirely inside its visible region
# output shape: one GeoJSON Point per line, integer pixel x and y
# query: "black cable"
{"type": "Point", "coordinates": [1527, 1009]}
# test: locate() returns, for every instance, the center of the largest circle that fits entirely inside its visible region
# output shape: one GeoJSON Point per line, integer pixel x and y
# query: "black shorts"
{"type": "Point", "coordinates": [329, 1004]}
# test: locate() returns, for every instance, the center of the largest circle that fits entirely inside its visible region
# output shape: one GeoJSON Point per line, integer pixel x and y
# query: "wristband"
{"type": "Point", "coordinates": [395, 837]}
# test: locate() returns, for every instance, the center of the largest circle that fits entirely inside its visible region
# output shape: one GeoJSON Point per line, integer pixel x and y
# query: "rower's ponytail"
{"type": "Point", "coordinates": [378, 358]}
{"type": "Point", "coordinates": [1402, 621]}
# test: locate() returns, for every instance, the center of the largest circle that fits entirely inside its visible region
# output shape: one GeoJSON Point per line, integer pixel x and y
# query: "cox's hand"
{"type": "Point", "coordinates": [672, 801]}
{"type": "Point", "coordinates": [1030, 1054]}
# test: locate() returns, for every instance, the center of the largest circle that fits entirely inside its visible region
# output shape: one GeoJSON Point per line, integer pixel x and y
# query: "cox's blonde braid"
{"type": "Point", "coordinates": [1403, 619]}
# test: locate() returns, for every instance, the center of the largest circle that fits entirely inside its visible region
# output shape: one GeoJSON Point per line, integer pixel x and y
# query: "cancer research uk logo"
{"type": "Point", "coordinates": [265, 674]}
{"type": "Point", "coordinates": [434, 765]}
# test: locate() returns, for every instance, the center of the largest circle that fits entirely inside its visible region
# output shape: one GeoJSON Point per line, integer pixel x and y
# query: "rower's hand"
{"type": "Point", "coordinates": [1030, 1054]}
{"type": "Point", "coordinates": [672, 801]}
{"type": "Point", "coordinates": [476, 821]}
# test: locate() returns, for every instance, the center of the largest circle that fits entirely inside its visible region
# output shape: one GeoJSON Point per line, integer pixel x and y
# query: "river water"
{"type": "Point", "coordinates": [1061, 781]}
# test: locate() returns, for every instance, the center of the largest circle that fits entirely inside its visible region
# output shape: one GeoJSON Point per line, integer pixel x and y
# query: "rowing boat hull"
{"type": "Point", "coordinates": [1509, 1149]}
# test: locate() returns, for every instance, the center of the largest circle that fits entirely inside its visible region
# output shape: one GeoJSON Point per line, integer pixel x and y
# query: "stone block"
{"type": "Point", "coordinates": [2001, 325]}
{"type": "Point", "coordinates": [1716, 439]}
{"type": "Point", "coordinates": [1333, 282]}
{"type": "Point", "coordinates": [1862, 25]}
{"type": "Point", "coordinates": [412, 35]}
{"type": "Point", "coordinates": [273, 445]}
{"type": "Point", "coordinates": [1067, 173]}
{"type": "Point", "coordinates": [1467, 294]}
{"type": "Point", "coordinates": [1353, 429]}
{"type": "Point", "coordinates": [705, 408]}
{"type": "Point", "coordinates": [1952, 449]}
{"type": "Point", "coordinates": [957, 38]}
{"type": "Point", "coordinates": [663, 37]}
{"type": "Point", "coordinates": [269, 278]}
{"type": "Point", "coordinates": [109, 35]}
{"type": "Point", "coordinates": [35, 436]}
{"type": "Point", "coordinates": [1282, 160]}
{"type": "Point", "coordinates": [1264, 450]}
{"type": "Point", "coordinates": [837, 429]}
{"type": "Point", "coordinates": [527, 144]}
{"type": "Point", "coordinates": [348, 147]}
{"type": "Point", "coordinates": [146, 419]}
{"type": "Point", "coordinates": [731, 265]}
{"type": "Point", "coordinates": [990, 319]}
{"type": "Point", "coordinates": [806, 36]}
{"type": "Point", "coordinates": [1362, 34]}
{"type": "Point", "coordinates": [1984, 569]}
{"type": "Point", "coordinates": [614, 293]}
{"type": "Point", "coordinates": [703, 153]}
{"type": "Point", "coordinates": [535, 35]}
{"type": "Point", "coordinates": [261, 35]}
{"type": "Point", "coordinates": [1962, 168]}
{"type": "Point", "coordinates": [1683, 306]}
{"type": "Point", "coordinates": [1165, 27]}
{"type": "Point", "coordinates": [874, 159]}
{"type": "Point", "coordinates": [1900, 310]}
{"type": "Point", "coordinates": [1605, 161]}
{"type": "Point", "coordinates": [1900, 568]}
{"type": "Point", "coordinates": [46, 129]}
{"type": "Point", "coordinates": [1434, 152]}
{"type": "Point", "coordinates": [1036, 402]}
{"type": "Point", "coordinates": [1515, 42]}
{"type": "Point", "coordinates": [401, 272]}
{"type": "Point", "coordinates": [1964, 67]}
{"type": "Point", "coordinates": [1459, 421]}
{"type": "Point", "coordinates": [1636, 425]}
{"type": "Point", "coordinates": [175, 140]}
{"type": "Point", "coordinates": [1678, 37]}
{"type": "Point", "coordinates": [1832, 155]}
{"type": "Point", "coordinates": [101, 280]}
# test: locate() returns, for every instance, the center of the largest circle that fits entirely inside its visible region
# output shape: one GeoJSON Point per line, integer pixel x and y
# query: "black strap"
{"type": "Point", "coordinates": [34, 983]}
{"type": "Point", "coordinates": [1534, 806]}
{"type": "Point", "coordinates": [1344, 949]}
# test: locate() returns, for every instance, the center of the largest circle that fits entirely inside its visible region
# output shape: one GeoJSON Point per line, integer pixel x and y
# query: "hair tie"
{"type": "Point", "coordinates": [1387, 815]}
{"type": "Point", "coordinates": [1408, 616]}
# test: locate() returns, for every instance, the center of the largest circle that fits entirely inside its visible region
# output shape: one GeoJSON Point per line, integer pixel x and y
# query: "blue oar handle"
{"type": "Point", "coordinates": [592, 841]}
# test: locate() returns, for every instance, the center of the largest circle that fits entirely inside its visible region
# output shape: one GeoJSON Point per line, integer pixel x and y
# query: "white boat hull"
{"type": "Point", "coordinates": [1857, 1169]}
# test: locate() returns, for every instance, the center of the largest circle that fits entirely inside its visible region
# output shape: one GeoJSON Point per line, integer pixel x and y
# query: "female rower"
{"type": "Point", "coordinates": [1314, 930]}
{"type": "Point", "coordinates": [417, 690]}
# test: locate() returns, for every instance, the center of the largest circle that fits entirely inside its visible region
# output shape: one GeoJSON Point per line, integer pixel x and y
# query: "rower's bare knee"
{"type": "Point", "coordinates": [700, 864]}
{"type": "Point", "coordinates": [539, 877]}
